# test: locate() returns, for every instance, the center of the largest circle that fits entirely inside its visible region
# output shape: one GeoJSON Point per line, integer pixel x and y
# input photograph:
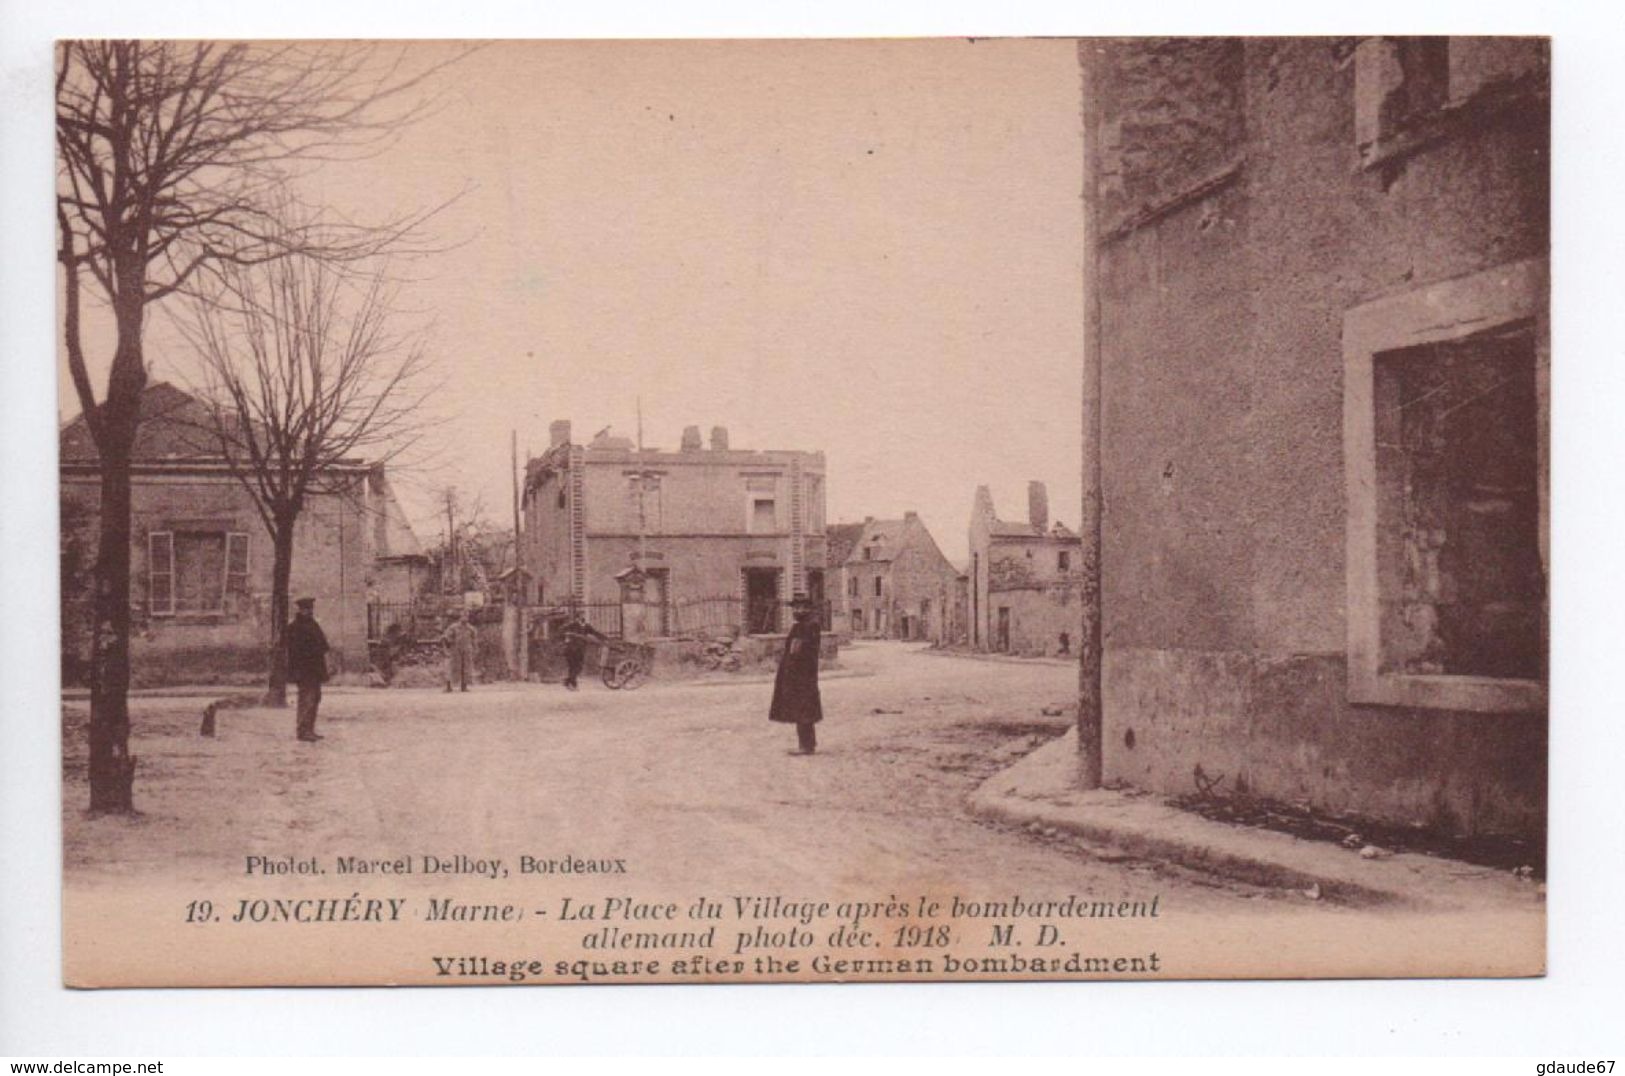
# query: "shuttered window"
{"type": "Point", "coordinates": [237, 564]}
{"type": "Point", "coordinates": [161, 573]}
{"type": "Point", "coordinates": [195, 571]}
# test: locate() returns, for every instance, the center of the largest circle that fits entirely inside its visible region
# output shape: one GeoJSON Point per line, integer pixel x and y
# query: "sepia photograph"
{"type": "Point", "coordinates": [939, 509]}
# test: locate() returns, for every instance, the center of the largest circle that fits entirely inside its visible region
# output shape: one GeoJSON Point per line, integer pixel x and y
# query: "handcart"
{"type": "Point", "coordinates": [625, 665]}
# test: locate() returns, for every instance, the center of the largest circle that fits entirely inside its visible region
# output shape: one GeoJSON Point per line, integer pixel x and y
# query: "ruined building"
{"type": "Point", "coordinates": [894, 583]}
{"type": "Point", "coordinates": [1319, 313]}
{"type": "Point", "coordinates": [1024, 583]}
{"type": "Point", "coordinates": [660, 542]}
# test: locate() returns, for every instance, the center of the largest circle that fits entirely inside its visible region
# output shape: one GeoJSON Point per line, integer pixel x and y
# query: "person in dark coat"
{"type": "Point", "coordinates": [307, 665]}
{"type": "Point", "coordinates": [577, 633]}
{"type": "Point", "coordinates": [795, 689]}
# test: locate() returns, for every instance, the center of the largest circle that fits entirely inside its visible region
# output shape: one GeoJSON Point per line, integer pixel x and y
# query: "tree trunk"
{"type": "Point", "coordinates": [111, 766]}
{"type": "Point", "coordinates": [276, 691]}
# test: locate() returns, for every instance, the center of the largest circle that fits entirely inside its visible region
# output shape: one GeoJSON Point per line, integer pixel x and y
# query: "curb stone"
{"type": "Point", "coordinates": [1040, 789]}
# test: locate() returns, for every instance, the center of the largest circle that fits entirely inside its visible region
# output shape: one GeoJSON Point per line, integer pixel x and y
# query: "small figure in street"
{"type": "Point", "coordinates": [459, 640]}
{"type": "Point", "coordinates": [795, 689]}
{"type": "Point", "coordinates": [306, 647]}
{"type": "Point", "coordinates": [577, 633]}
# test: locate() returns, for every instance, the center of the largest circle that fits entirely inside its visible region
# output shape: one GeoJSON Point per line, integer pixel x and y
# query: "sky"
{"type": "Point", "coordinates": [873, 249]}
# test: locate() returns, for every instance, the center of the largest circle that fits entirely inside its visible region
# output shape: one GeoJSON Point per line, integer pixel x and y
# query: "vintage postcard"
{"type": "Point", "coordinates": [543, 512]}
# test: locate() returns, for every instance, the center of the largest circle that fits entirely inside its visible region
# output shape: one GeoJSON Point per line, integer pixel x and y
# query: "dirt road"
{"type": "Point", "coordinates": [687, 783]}
{"type": "Point", "coordinates": [431, 832]}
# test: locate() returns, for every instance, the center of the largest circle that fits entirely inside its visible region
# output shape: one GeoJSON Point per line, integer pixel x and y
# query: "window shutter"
{"type": "Point", "coordinates": [161, 573]}
{"type": "Point", "coordinates": [236, 564]}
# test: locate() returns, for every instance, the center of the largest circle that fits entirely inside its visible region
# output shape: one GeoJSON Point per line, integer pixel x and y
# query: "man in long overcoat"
{"type": "Point", "coordinates": [306, 647]}
{"type": "Point", "coordinates": [459, 640]}
{"type": "Point", "coordinates": [795, 690]}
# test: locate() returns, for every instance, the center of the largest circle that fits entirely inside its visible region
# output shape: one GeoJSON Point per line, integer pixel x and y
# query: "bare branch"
{"type": "Point", "coordinates": [304, 378]}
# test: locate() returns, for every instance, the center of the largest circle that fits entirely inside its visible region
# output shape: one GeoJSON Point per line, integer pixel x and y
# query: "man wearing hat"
{"type": "Point", "coordinates": [307, 664]}
{"type": "Point", "coordinates": [795, 689]}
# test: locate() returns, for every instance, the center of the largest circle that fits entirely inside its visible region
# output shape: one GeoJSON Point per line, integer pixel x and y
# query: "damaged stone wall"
{"type": "Point", "coordinates": [1172, 121]}
{"type": "Point", "coordinates": [1239, 225]}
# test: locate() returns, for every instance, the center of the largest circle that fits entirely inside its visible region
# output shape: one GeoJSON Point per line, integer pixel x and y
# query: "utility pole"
{"type": "Point", "coordinates": [455, 584]}
{"type": "Point", "coordinates": [643, 481]}
{"type": "Point", "coordinates": [518, 547]}
{"type": "Point", "coordinates": [519, 591]}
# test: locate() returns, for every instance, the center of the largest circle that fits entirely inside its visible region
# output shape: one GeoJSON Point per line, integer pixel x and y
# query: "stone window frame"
{"type": "Point", "coordinates": [754, 524]}
{"type": "Point", "coordinates": [167, 606]}
{"type": "Point", "coordinates": [1436, 313]}
{"type": "Point", "coordinates": [761, 486]}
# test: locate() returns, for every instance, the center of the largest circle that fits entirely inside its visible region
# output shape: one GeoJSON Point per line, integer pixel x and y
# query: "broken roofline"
{"type": "Point", "coordinates": [703, 456]}
{"type": "Point", "coordinates": [1033, 536]}
{"type": "Point", "coordinates": [555, 458]}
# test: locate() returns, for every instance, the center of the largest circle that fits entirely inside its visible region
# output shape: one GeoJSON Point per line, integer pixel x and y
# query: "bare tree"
{"type": "Point", "coordinates": [306, 380]}
{"type": "Point", "coordinates": [173, 161]}
{"type": "Point", "coordinates": [465, 521]}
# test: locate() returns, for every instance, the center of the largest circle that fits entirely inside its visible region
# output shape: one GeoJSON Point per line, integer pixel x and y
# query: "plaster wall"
{"type": "Point", "coordinates": [1221, 365]}
{"type": "Point", "coordinates": [331, 563]}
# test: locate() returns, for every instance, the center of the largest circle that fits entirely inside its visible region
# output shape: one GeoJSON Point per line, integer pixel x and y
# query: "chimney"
{"type": "Point", "coordinates": [1038, 506]}
{"type": "Point", "coordinates": [691, 438]}
{"type": "Point", "coordinates": [558, 432]}
{"type": "Point", "coordinates": [719, 438]}
{"type": "Point", "coordinates": [910, 517]}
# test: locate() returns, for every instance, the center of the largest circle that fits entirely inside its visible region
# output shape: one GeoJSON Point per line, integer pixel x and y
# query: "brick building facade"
{"type": "Point", "coordinates": [699, 538]}
{"type": "Point", "coordinates": [1320, 277]}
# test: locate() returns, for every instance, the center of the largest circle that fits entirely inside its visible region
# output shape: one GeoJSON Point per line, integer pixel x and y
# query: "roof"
{"type": "Point", "coordinates": [883, 536]}
{"type": "Point", "coordinates": [1003, 529]}
{"type": "Point", "coordinates": [174, 425]}
{"type": "Point", "coordinates": [842, 538]}
{"type": "Point", "coordinates": [399, 538]}
{"type": "Point", "coordinates": [175, 428]}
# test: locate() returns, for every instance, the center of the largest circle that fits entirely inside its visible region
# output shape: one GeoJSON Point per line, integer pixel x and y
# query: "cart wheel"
{"type": "Point", "coordinates": [635, 676]}
{"type": "Point", "coordinates": [617, 673]}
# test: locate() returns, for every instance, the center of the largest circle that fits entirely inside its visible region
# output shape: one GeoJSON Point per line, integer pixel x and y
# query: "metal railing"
{"type": "Point", "coordinates": [714, 616]}
{"type": "Point", "coordinates": [397, 620]}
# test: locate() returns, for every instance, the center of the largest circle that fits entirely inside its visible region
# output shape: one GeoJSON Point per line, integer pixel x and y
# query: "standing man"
{"type": "Point", "coordinates": [795, 689]}
{"type": "Point", "coordinates": [307, 665]}
{"type": "Point", "coordinates": [577, 632]}
{"type": "Point", "coordinates": [459, 640]}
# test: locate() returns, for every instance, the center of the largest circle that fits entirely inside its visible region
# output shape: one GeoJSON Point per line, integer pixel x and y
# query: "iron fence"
{"type": "Point", "coordinates": [397, 620]}
{"type": "Point", "coordinates": [423, 618]}
{"type": "Point", "coordinates": [714, 616]}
